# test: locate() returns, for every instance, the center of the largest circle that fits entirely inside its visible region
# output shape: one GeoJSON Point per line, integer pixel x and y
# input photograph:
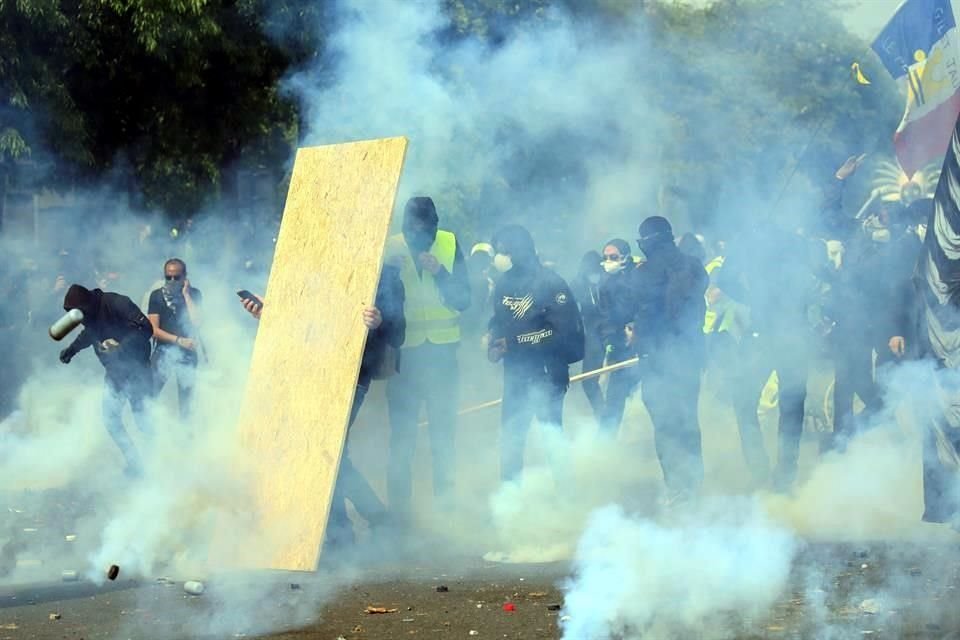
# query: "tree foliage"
{"type": "Point", "coordinates": [167, 94]}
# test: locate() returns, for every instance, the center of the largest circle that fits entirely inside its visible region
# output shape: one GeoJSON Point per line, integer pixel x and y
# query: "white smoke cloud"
{"type": "Point", "coordinates": [472, 111]}
{"type": "Point", "coordinates": [648, 578]}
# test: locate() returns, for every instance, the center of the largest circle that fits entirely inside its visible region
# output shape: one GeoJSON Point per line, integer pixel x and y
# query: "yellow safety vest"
{"type": "Point", "coordinates": [428, 319]}
{"type": "Point", "coordinates": [710, 319]}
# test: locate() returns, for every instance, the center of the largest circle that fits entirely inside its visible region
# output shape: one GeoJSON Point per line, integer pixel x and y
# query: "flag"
{"type": "Point", "coordinates": [920, 49]}
{"type": "Point", "coordinates": [938, 282]}
{"type": "Point", "coordinates": [857, 73]}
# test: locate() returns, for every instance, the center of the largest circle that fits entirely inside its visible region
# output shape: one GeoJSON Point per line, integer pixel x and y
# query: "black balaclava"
{"type": "Point", "coordinates": [655, 235]}
{"type": "Point", "coordinates": [420, 222]}
{"type": "Point", "coordinates": [516, 242]}
{"type": "Point", "coordinates": [81, 298]}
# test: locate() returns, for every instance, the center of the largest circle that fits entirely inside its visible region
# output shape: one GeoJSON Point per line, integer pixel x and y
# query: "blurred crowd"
{"type": "Point", "coordinates": [659, 315]}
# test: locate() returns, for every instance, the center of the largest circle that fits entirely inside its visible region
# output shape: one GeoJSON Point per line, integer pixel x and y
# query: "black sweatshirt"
{"type": "Point", "coordinates": [536, 313]}
{"type": "Point", "coordinates": [113, 316]}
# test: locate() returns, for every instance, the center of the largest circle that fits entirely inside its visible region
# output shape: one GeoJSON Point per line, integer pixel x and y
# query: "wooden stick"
{"type": "Point", "coordinates": [580, 377]}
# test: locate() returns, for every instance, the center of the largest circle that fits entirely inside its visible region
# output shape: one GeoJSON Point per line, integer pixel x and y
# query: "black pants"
{"type": "Point", "coordinates": [853, 367]}
{"type": "Point", "coordinates": [620, 387]}
{"type": "Point", "coordinates": [527, 394]}
{"type": "Point", "coordinates": [429, 378]}
{"type": "Point", "coordinates": [352, 486]}
{"type": "Point", "coordinates": [593, 355]}
{"type": "Point", "coordinates": [671, 393]}
{"type": "Point", "coordinates": [760, 357]}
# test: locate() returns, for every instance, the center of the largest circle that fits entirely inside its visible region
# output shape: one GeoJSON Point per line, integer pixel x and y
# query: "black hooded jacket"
{"type": "Point", "coordinates": [669, 306]}
{"type": "Point", "coordinates": [113, 316]}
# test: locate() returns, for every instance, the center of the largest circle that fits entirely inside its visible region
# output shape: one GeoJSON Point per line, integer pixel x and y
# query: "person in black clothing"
{"type": "Point", "coordinates": [387, 329]}
{"type": "Point", "coordinates": [120, 335]}
{"type": "Point", "coordinates": [617, 308]}
{"type": "Point", "coordinates": [173, 310]}
{"type": "Point", "coordinates": [668, 333]}
{"type": "Point", "coordinates": [866, 295]}
{"type": "Point", "coordinates": [772, 272]}
{"type": "Point", "coordinates": [586, 290]}
{"type": "Point", "coordinates": [537, 331]}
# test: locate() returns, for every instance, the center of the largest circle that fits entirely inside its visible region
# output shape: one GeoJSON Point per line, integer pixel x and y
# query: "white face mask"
{"type": "Point", "coordinates": [612, 266]}
{"type": "Point", "coordinates": [502, 262]}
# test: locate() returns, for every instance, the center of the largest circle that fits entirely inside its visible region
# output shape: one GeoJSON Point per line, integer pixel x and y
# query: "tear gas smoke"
{"type": "Point", "coordinates": [637, 577]}
{"type": "Point", "coordinates": [551, 88]}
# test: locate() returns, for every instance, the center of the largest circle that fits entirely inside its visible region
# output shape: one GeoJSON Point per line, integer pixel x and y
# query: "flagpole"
{"type": "Point", "coordinates": [809, 143]}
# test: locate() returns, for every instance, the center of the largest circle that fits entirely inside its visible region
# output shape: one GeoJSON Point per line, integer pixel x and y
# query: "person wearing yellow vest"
{"type": "Point", "coordinates": [435, 280]}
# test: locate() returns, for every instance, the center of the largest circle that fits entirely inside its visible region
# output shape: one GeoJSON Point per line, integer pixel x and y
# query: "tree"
{"type": "Point", "coordinates": [165, 94]}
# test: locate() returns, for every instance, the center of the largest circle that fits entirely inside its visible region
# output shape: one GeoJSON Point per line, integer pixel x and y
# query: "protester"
{"type": "Point", "coordinates": [437, 288]}
{"type": "Point", "coordinates": [668, 334]}
{"type": "Point", "coordinates": [120, 335]}
{"type": "Point", "coordinates": [586, 290]}
{"type": "Point", "coordinates": [617, 306]}
{"type": "Point", "coordinates": [174, 313]}
{"type": "Point", "coordinates": [387, 328]}
{"type": "Point", "coordinates": [537, 332]}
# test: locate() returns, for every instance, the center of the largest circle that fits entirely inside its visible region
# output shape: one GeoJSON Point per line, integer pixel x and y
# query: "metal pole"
{"type": "Point", "coordinates": [580, 377]}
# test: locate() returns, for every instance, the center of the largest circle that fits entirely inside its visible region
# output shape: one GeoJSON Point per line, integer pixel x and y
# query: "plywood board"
{"type": "Point", "coordinates": [310, 341]}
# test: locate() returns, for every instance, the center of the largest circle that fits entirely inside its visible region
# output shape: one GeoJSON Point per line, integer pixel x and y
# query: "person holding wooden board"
{"type": "Point", "coordinates": [387, 329]}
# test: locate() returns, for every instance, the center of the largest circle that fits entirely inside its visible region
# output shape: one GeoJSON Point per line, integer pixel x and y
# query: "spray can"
{"type": "Point", "coordinates": [193, 587]}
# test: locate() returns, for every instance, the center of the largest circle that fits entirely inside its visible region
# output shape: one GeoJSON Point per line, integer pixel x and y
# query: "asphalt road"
{"type": "Point", "coordinates": [876, 591]}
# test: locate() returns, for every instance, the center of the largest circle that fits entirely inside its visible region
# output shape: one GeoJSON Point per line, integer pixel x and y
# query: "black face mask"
{"type": "Point", "coordinates": [420, 240]}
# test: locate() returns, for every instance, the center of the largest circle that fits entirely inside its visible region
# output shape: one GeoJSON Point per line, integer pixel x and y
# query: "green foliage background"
{"type": "Point", "coordinates": [164, 96]}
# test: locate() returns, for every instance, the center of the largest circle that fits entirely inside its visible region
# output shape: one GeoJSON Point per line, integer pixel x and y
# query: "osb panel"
{"type": "Point", "coordinates": [310, 340]}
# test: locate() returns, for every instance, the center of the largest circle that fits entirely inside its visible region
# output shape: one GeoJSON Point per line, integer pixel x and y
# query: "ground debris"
{"type": "Point", "coordinates": [537, 594]}
{"type": "Point", "coordinates": [54, 616]}
{"type": "Point", "coordinates": [373, 610]}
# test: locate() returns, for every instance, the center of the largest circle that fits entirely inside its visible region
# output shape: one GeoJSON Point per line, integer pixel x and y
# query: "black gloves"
{"type": "Point", "coordinates": [67, 355]}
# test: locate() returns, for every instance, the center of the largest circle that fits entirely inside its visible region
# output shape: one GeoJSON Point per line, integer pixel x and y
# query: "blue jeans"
{"type": "Point", "coordinates": [115, 396]}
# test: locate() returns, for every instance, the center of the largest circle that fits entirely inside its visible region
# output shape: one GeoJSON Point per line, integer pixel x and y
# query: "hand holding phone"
{"type": "Point", "coordinates": [251, 302]}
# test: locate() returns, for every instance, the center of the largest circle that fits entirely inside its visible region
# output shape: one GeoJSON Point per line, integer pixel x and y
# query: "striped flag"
{"type": "Point", "coordinates": [940, 266]}
{"type": "Point", "coordinates": [938, 281]}
{"type": "Point", "coordinates": [920, 48]}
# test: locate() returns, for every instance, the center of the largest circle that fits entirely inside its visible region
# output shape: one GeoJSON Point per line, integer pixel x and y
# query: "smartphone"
{"type": "Point", "coordinates": [246, 295]}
